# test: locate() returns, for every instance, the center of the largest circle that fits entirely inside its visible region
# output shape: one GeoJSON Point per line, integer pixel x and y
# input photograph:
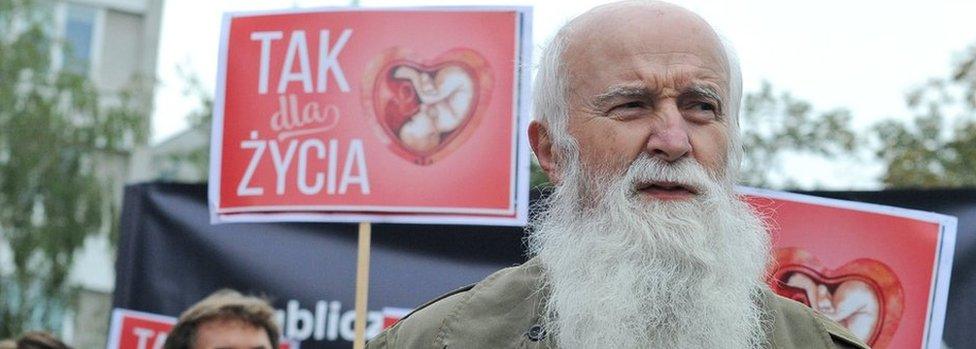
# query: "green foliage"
{"type": "Point", "coordinates": [203, 115]}
{"type": "Point", "coordinates": [54, 134]}
{"type": "Point", "coordinates": [938, 147]}
{"type": "Point", "coordinates": [198, 119]}
{"type": "Point", "coordinates": [774, 124]}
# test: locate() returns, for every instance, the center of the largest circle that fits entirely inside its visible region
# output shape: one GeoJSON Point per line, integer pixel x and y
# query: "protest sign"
{"type": "Point", "coordinates": [131, 329]}
{"type": "Point", "coordinates": [378, 115]}
{"type": "Point", "coordinates": [880, 271]}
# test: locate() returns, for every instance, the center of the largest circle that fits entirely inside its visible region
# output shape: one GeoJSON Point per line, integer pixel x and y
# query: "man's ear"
{"type": "Point", "coordinates": [542, 147]}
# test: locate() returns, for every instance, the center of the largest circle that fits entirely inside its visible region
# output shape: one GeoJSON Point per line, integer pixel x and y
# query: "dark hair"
{"type": "Point", "coordinates": [221, 306]}
{"type": "Point", "coordinates": [40, 340]}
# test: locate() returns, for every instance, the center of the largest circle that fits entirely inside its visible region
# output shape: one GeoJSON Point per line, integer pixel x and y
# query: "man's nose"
{"type": "Point", "coordinates": [669, 139]}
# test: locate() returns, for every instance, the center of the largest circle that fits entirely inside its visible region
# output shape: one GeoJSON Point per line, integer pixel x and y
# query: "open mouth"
{"type": "Point", "coordinates": [667, 190]}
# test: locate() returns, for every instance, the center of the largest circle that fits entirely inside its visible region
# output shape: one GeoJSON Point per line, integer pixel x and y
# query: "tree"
{"type": "Point", "coordinates": [198, 119]}
{"type": "Point", "coordinates": [774, 125]}
{"type": "Point", "coordinates": [55, 133]}
{"type": "Point", "coordinates": [937, 148]}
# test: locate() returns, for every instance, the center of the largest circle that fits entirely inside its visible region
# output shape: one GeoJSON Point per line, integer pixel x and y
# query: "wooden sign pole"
{"type": "Point", "coordinates": [362, 284]}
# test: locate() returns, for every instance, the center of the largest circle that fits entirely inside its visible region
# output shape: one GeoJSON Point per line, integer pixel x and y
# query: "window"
{"type": "Point", "coordinates": [79, 32]}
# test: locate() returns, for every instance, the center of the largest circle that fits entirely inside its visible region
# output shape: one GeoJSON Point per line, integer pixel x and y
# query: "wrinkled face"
{"type": "Point", "coordinates": [654, 85]}
{"type": "Point", "coordinates": [230, 334]}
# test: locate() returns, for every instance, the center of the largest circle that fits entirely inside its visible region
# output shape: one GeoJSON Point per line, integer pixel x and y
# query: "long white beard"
{"type": "Point", "coordinates": [621, 272]}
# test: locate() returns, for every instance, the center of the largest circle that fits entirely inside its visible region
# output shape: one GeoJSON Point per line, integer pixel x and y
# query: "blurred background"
{"type": "Point", "coordinates": [95, 94]}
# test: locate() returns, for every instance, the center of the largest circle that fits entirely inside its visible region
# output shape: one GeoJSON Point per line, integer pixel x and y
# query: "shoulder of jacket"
{"type": "Point", "coordinates": [498, 280]}
{"type": "Point", "coordinates": [423, 327]}
{"type": "Point", "coordinates": [795, 315]}
{"type": "Point", "coordinates": [839, 333]}
{"type": "Point", "coordinates": [420, 327]}
{"type": "Point", "coordinates": [444, 298]}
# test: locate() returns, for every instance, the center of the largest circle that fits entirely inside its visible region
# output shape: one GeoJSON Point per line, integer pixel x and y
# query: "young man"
{"type": "Point", "coordinates": [225, 320]}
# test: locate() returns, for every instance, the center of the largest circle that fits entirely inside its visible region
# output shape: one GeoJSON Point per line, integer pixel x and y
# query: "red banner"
{"type": "Point", "coordinates": [409, 115]}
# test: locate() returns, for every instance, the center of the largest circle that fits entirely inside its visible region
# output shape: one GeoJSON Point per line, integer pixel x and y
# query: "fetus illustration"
{"type": "Point", "coordinates": [862, 294]}
{"type": "Point", "coordinates": [852, 303]}
{"type": "Point", "coordinates": [426, 107]}
{"type": "Point", "coordinates": [445, 98]}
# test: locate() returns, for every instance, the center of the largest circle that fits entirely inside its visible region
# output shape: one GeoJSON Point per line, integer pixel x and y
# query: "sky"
{"type": "Point", "coordinates": [859, 55]}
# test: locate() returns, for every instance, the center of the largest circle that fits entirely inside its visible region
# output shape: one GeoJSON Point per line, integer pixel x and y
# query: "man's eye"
{"type": "Point", "coordinates": [702, 106]}
{"type": "Point", "coordinates": [628, 110]}
{"type": "Point", "coordinates": [702, 111]}
{"type": "Point", "coordinates": [630, 105]}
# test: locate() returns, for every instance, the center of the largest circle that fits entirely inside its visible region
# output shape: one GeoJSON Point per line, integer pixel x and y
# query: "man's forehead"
{"type": "Point", "coordinates": [660, 32]}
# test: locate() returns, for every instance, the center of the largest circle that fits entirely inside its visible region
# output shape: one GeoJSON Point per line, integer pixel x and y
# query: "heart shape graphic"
{"type": "Point", "coordinates": [864, 295]}
{"type": "Point", "coordinates": [426, 109]}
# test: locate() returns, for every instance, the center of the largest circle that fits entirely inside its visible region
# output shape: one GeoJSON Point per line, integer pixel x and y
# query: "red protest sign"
{"type": "Point", "coordinates": [140, 330]}
{"type": "Point", "coordinates": [882, 272]}
{"type": "Point", "coordinates": [409, 115]}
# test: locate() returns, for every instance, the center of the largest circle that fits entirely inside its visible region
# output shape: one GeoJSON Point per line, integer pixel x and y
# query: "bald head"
{"type": "Point", "coordinates": [634, 13]}
{"type": "Point", "coordinates": [664, 50]}
{"type": "Point", "coordinates": [645, 28]}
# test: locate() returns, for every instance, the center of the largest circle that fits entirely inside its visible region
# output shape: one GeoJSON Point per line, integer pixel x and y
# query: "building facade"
{"type": "Point", "coordinates": [115, 43]}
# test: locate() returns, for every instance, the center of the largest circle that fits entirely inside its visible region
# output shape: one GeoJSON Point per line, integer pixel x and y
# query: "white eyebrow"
{"type": "Point", "coordinates": [618, 91]}
{"type": "Point", "coordinates": [704, 90]}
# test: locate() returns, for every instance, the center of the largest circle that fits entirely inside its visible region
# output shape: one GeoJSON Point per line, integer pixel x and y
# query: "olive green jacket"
{"type": "Point", "coordinates": [502, 311]}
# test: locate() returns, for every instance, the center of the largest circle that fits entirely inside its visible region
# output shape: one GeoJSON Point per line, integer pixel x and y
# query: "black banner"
{"type": "Point", "coordinates": [170, 257]}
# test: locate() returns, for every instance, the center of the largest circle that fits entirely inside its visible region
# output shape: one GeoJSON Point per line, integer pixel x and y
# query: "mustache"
{"type": "Point", "coordinates": [687, 172]}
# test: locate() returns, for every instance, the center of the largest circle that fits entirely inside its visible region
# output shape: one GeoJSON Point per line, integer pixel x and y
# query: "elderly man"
{"type": "Point", "coordinates": [643, 243]}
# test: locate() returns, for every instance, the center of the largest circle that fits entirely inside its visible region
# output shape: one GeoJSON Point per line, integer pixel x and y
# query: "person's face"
{"type": "Point", "coordinates": [230, 334]}
{"type": "Point", "coordinates": [657, 85]}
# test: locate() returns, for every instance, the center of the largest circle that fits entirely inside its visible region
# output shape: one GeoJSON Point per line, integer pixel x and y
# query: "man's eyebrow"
{"type": "Point", "coordinates": [621, 91]}
{"type": "Point", "coordinates": [704, 91]}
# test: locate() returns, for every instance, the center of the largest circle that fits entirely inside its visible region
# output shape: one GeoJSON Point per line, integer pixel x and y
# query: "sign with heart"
{"type": "Point", "coordinates": [380, 115]}
{"type": "Point", "coordinates": [881, 272]}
